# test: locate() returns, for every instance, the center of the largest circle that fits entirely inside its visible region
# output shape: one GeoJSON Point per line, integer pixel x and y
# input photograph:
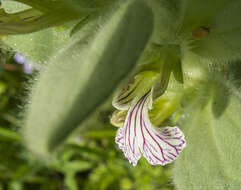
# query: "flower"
{"type": "Point", "coordinates": [138, 136]}
{"type": "Point", "coordinates": [28, 65]}
{"type": "Point", "coordinates": [19, 58]}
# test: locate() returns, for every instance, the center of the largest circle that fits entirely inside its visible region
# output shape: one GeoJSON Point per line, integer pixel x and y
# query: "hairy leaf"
{"type": "Point", "coordinates": [82, 76]}
{"type": "Point", "coordinates": [39, 46]}
{"type": "Point", "coordinates": [211, 160]}
{"type": "Point", "coordinates": [200, 12]}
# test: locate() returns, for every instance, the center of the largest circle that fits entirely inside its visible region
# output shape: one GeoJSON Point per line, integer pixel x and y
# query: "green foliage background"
{"type": "Point", "coordinates": [202, 39]}
{"type": "Point", "coordinates": [89, 160]}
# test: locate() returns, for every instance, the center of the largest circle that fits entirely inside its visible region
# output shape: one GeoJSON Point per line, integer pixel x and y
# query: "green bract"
{"type": "Point", "coordinates": [83, 75]}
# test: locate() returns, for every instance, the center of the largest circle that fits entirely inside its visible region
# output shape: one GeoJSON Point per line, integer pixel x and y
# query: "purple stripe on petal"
{"type": "Point", "coordinates": [138, 136]}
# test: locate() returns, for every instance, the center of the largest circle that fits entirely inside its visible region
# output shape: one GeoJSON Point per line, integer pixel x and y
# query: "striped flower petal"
{"type": "Point", "coordinates": [139, 137]}
{"type": "Point", "coordinates": [134, 90]}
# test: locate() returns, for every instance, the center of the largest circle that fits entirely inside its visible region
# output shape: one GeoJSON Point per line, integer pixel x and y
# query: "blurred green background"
{"type": "Point", "coordinates": [89, 159]}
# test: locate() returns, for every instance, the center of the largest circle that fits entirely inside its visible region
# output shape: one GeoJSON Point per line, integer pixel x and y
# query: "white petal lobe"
{"type": "Point", "coordinates": [138, 136]}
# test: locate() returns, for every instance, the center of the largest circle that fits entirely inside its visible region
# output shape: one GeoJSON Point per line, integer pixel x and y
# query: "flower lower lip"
{"type": "Point", "coordinates": [138, 136]}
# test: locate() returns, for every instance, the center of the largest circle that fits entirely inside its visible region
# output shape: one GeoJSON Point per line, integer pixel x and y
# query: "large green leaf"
{"type": "Point", "coordinates": [211, 160]}
{"type": "Point", "coordinates": [80, 77]}
{"type": "Point", "coordinates": [16, 18]}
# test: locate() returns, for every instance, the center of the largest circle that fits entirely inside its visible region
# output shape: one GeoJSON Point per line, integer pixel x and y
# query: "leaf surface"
{"type": "Point", "coordinates": [81, 77]}
{"type": "Point", "coordinates": [211, 160]}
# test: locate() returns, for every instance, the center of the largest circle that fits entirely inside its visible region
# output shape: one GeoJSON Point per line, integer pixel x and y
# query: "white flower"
{"type": "Point", "coordinates": [139, 137]}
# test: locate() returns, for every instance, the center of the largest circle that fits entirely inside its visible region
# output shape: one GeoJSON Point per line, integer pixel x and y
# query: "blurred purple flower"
{"type": "Point", "coordinates": [19, 58]}
{"type": "Point", "coordinates": [28, 65]}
